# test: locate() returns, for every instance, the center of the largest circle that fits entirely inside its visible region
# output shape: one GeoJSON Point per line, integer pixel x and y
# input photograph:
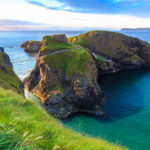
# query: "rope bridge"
{"type": "Point", "coordinates": [22, 60]}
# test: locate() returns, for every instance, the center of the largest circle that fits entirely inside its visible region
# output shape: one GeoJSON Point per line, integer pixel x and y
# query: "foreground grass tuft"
{"type": "Point", "coordinates": [26, 126]}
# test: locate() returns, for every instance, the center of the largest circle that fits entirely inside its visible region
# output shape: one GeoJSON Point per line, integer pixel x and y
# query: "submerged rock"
{"type": "Point", "coordinates": [65, 81]}
{"type": "Point", "coordinates": [115, 51]}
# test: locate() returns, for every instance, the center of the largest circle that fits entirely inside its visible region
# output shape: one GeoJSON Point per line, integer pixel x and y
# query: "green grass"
{"type": "Point", "coordinates": [24, 125]}
{"type": "Point", "coordinates": [8, 79]}
{"type": "Point", "coordinates": [52, 45]}
{"type": "Point", "coordinates": [104, 42]}
{"type": "Point", "coordinates": [70, 62]}
{"type": "Point", "coordinates": [30, 42]}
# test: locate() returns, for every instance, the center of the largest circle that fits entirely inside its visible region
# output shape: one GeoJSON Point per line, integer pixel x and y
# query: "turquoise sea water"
{"type": "Point", "coordinates": [128, 106]}
{"type": "Point", "coordinates": [12, 40]}
{"type": "Point", "coordinates": [127, 95]}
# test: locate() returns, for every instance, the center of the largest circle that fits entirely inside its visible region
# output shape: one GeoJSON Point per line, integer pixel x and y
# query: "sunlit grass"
{"type": "Point", "coordinates": [24, 125]}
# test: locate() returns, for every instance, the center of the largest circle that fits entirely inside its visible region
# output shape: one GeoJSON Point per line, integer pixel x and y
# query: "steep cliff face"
{"type": "Point", "coordinates": [31, 46]}
{"type": "Point", "coordinates": [53, 42]}
{"type": "Point", "coordinates": [114, 51]}
{"type": "Point", "coordinates": [65, 78]}
{"type": "Point", "coordinates": [65, 75]}
{"type": "Point", "coordinates": [8, 79]}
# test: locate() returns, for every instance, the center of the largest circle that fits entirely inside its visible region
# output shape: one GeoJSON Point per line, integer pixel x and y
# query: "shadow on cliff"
{"type": "Point", "coordinates": [124, 94]}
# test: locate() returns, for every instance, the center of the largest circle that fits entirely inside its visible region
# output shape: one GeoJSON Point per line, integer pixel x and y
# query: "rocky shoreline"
{"type": "Point", "coordinates": [67, 71]}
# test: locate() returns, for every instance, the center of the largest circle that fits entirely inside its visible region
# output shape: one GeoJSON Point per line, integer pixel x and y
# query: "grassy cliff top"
{"type": "Point", "coordinates": [32, 42]}
{"type": "Point", "coordinates": [70, 62]}
{"type": "Point", "coordinates": [109, 43]}
{"type": "Point", "coordinates": [28, 126]}
{"type": "Point", "coordinates": [50, 45]}
{"type": "Point", "coordinates": [8, 79]}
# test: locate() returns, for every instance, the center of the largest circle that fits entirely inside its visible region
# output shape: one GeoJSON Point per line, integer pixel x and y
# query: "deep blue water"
{"type": "Point", "coordinates": [127, 94]}
{"type": "Point", "coordinates": [128, 106]}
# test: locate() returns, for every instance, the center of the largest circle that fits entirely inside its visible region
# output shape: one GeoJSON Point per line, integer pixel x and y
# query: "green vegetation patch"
{"type": "Point", "coordinates": [83, 40]}
{"type": "Point", "coordinates": [8, 79]}
{"type": "Point", "coordinates": [32, 42]}
{"type": "Point", "coordinates": [51, 45]}
{"type": "Point", "coordinates": [103, 41]}
{"type": "Point", "coordinates": [70, 62]}
{"type": "Point", "coordinates": [24, 125]}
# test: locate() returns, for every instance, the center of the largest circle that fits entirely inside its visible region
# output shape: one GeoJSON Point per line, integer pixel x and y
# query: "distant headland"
{"type": "Point", "coordinates": [135, 29]}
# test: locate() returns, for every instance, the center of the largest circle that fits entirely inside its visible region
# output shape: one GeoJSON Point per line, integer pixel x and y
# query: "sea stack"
{"type": "Point", "coordinates": [66, 73]}
{"type": "Point", "coordinates": [65, 78]}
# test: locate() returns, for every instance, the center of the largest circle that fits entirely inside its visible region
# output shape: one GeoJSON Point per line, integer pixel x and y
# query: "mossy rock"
{"type": "Point", "coordinates": [71, 62]}
{"type": "Point", "coordinates": [115, 46]}
{"type": "Point", "coordinates": [54, 43]}
{"type": "Point", "coordinates": [108, 43]}
{"type": "Point", "coordinates": [8, 78]}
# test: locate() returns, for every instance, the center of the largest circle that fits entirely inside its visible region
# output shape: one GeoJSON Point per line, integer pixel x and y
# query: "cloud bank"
{"type": "Point", "coordinates": [72, 14]}
{"type": "Point", "coordinates": [6, 24]}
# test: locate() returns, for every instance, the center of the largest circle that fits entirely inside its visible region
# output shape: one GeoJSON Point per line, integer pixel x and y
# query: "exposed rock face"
{"type": "Point", "coordinates": [65, 75]}
{"type": "Point", "coordinates": [7, 59]}
{"type": "Point", "coordinates": [59, 38]}
{"type": "Point", "coordinates": [35, 46]}
{"type": "Point", "coordinates": [66, 81]}
{"type": "Point", "coordinates": [118, 51]}
{"type": "Point", "coordinates": [31, 46]}
{"type": "Point", "coordinates": [8, 79]}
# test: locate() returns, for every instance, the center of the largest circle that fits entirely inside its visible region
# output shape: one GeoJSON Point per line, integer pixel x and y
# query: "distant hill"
{"type": "Point", "coordinates": [133, 29]}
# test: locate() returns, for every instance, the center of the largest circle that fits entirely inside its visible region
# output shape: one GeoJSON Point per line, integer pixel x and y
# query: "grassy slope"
{"type": "Point", "coordinates": [24, 125]}
{"type": "Point", "coordinates": [8, 79]}
{"type": "Point", "coordinates": [52, 46]}
{"type": "Point", "coordinates": [28, 126]}
{"type": "Point", "coordinates": [109, 41]}
{"type": "Point", "coordinates": [70, 62]}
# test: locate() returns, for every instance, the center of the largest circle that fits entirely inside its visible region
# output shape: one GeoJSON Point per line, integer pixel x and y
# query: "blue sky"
{"type": "Point", "coordinates": [132, 7]}
{"type": "Point", "coordinates": [73, 14]}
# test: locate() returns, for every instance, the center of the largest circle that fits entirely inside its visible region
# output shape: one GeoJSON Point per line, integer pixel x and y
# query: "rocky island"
{"type": "Point", "coordinates": [31, 46]}
{"type": "Point", "coordinates": [135, 29]}
{"type": "Point", "coordinates": [24, 124]}
{"type": "Point", "coordinates": [65, 78]}
{"type": "Point", "coordinates": [67, 71]}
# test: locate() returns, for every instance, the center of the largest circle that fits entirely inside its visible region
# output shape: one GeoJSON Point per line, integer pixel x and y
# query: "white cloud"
{"type": "Point", "coordinates": [50, 3]}
{"type": "Point", "coordinates": [68, 20]}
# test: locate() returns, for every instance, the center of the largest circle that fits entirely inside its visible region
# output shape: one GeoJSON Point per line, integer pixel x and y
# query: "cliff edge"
{"type": "Point", "coordinates": [114, 51]}
{"type": "Point", "coordinates": [8, 78]}
{"type": "Point", "coordinates": [66, 73]}
{"type": "Point", "coordinates": [65, 78]}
